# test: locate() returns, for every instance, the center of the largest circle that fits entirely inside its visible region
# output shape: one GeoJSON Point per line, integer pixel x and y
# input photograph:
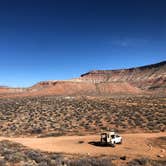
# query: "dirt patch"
{"type": "Point", "coordinates": [158, 142]}
{"type": "Point", "coordinates": [76, 150]}
{"type": "Point", "coordinates": [133, 145]}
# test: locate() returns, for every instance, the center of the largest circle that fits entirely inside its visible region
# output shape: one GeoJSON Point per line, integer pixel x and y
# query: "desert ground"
{"type": "Point", "coordinates": [33, 129]}
{"type": "Point", "coordinates": [136, 149]}
{"type": "Point", "coordinates": [54, 116]}
{"type": "Point", "coordinates": [133, 145]}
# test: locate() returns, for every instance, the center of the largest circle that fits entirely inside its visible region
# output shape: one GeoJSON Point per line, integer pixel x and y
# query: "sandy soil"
{"type": "Point", "coordinates": [134, 145]}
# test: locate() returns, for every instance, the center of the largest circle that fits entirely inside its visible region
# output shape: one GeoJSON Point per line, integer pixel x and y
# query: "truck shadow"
{"type": "Point", "coordinates": [98, 143]}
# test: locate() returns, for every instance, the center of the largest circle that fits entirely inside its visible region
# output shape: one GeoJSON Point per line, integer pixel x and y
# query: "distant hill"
{"type": "Point", "coordinates": [150, 79]}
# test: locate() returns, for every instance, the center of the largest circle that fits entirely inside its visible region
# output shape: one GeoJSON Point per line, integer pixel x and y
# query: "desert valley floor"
{"type": "Point", "coordinates": [54, 130]}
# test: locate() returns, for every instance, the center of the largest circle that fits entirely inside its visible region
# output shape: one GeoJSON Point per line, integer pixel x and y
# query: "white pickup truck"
{"type": "Point", "coordinates": [110, 138]}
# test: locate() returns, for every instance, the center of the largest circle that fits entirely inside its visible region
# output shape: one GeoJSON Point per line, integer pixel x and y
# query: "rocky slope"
{"type": "Point", "coordinates": [140, 80]}
{"type": "Point", "coordinates": [5, 89]}
{"type": "Point", "coordinates": [150, 79]}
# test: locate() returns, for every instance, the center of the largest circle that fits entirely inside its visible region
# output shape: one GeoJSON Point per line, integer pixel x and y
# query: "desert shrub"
{"type": "Point", "coordinates": [36, 131]}
{"type": "Point", "coordinates": [91, 162]}
{"type": "Point", "coordinates": [104, 128]}
{"type": "Point", "coordinates": [158, 163]}
{"type": "Point", "coordinates": [138, 122]}
{"type": "Point", "coordinates": [138, 162]}
{"type": "Point", "coordinates": [150, 127]}
{"type": "Point", "coordinates": [44, 163]}
{"type": "Point", "coordinates": [5, 151]}
{"type": "Point", "coordinates": [29, 163]}
{"type": "Point", "coordinates": [58, 162]}
{"type": "Point", "coordinates": [56, 158]}
{"type": "Point", "coordinates": [2, 162]}
{"type": "Point", "coordinates": [146, 162]}
{"type": "Point", "coordinates": [14, 157]}
{"type": "Point", "coordinates": [33, 155]}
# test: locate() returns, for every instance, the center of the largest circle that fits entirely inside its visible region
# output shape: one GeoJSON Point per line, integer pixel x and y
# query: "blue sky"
{"type": "Point", "coordinates": [61, 39]}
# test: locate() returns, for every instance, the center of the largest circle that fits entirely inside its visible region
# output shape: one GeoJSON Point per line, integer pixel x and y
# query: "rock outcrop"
{"type": "Point", "coordinates": [150, 79]}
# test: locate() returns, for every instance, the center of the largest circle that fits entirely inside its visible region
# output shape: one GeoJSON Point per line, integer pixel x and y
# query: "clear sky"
{"type": "Point", "coordinates": [61, 39]}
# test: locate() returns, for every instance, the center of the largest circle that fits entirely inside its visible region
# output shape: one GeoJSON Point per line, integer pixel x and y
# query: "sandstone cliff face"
{"type": "Point", "coordinates": [85, 88]}
{"type": "Point", "coordinates": [4, 89]}
{"type": "Point", "coordinates": [149, 79]}
{"type": "Point", "coordinates": [141, 80]}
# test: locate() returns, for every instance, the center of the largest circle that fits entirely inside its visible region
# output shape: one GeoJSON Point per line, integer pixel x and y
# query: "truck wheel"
{"type": "Point", "coordinates": [113, 145]}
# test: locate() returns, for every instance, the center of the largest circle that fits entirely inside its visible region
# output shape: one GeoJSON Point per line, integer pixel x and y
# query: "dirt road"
{"type": "Point", "coordinates": [133, 145]}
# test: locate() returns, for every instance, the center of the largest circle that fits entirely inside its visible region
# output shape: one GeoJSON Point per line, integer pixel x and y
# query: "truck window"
{"type": "Point", "coordinates": [112, 136]}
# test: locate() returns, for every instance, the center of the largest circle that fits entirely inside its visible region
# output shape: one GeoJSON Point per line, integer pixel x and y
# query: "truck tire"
{"type": "Point", "coordinates": [113, 145]}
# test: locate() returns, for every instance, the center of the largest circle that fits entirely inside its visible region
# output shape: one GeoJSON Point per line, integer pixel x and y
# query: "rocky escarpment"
{"type": "Point", "coordinates": [4, 89]}
{"type": "Point", "coordinates": [140, 80]}
{"type": "Point", "coordinates": [150, 77]}
{"type": "Point", "coordinates": [84, 88]}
